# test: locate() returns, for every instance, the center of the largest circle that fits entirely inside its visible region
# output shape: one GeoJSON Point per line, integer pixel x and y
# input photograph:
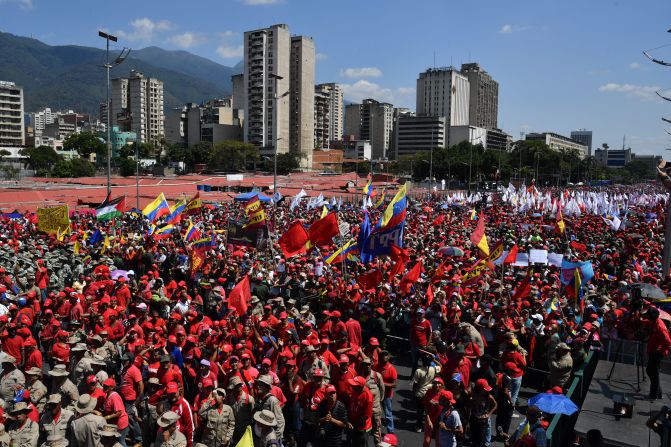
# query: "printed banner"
{"type": "Point", "coordinates": [248, 237]}
{"type": "Point", "coordinates": [53, 220]}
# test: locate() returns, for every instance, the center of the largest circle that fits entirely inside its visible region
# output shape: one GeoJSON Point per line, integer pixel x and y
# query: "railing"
{"type": "Point", "coordinates": [560, 431]}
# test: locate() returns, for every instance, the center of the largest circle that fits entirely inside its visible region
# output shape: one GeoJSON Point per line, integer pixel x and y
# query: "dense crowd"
{"type": "Point", "coordinates": [124, 343]}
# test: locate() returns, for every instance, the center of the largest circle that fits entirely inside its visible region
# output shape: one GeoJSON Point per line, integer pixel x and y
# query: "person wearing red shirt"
{"type": "Point", "coordinates": [340, 377]}
{"type": "Point", "coordinates": [353, 328]}
{"type": "Point", "coordinates": [131, 390]}
{"type": "Point", "coordinates": [13, 343]}
{"type": "Point", "coordinates": [42, 278]}
{"type": "Point", "coordinates": [659, 344]}
{"type": "Point", "coordinates": [432, 410]}
{"type": "Point", "coordinates": [76, 309]}
{"type": "Point", "coordinates": [420, 334]}
{"type": "Point", "coordinates": [513, 354]}
{"type": "Point", "coordinates": [96, 392]}
{"type": "Point", "coordinates": [167, 372]}
{"type": "Point", "coordinates": [32, 355]}
{"type": "Point", "coordinates": [60, 350]}
{"type": "Point", "coordinates": [180, 406]}
{"type": "Point", "coordinates": [389, 377]}
{"type": "Point", "coordinates": [456, 362]}
{"type": "Point", "coordinates": [360, 412]}
{"type": "Point", "coordinates": [114, 410]}
{"type": "Point", "coordinates": [122, 292]}
{"type": "Point", "coordinates": [338, 329]}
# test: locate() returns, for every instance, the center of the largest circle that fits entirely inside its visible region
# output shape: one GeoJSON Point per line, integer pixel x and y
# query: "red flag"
{"type": "Point", "coordinates": [322, 232]}
{"type": "Point", "coordinates": [429, 295]}
{"type": "Point", "coordinates": [523, 290]}
{"type": "Point", "coordinates": [512, 255]}
{"type": "Point", "coordinates": [411, 277]}
{"type": "Point", "coordinates": [240, 296]}
{"type": "Point", "coordinates": [397, 253]}
{"type": "Point", "coordinates": [293, 240]}
{"type": "Point", "coordinates": [438, 220]}
{"type": "Point", "coordinates": [397, 269]}
{"type": "Point", "coordinates": [197, 260]}
{"type": "Point", "coordinates": [578, 246]}
{"type": "Point", "coordinates": [370, 280]}
{"type": "Point", "coordinates": [479, 238]}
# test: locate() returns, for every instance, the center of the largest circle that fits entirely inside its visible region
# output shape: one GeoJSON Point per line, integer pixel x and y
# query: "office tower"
{"type": "Point", "coordinates": [583, 136]}
{"type": "Point", "coordinates": [11, 115]}
{"type": "Point", "coordinates": [137, 106]}
{"type": "Point", "coordinates": [444, 92]}
{"type": "Point", "coordinates": [302, 99]}
{"type": "Point", "coordinates": [484, 97]}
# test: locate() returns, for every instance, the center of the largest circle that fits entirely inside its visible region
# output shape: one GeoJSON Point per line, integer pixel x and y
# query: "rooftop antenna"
{"type": "Point", "coordinates": [434, 59]}
{"type": "Point", "coordinates": [624, 138]}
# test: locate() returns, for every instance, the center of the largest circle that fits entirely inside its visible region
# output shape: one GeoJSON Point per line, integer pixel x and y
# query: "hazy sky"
{"type": "Point", "coordinates": [561, 64]}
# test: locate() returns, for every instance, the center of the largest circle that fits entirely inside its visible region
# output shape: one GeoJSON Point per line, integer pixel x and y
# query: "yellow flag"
{"type": "Point", "coordinates": [325, 211]}
{"type": "Point", "coordinates": [247, 439]}
{"type": "Point", "coordinates": [106, 243]}
{"type": "Point", "coordinates": [76, 248]}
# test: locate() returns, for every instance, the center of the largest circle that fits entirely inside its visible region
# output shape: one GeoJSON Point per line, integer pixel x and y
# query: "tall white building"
{"type": "Point", "coordinates": [137, 106]}
{"type": "Point", "coordinates": [583, 136]}
{"type": "Point", "coordinates": [336, 110]}
{"type": "Point", "coordinates": [39, 120]}
{"type": "Point", "coordinates": [328, 114]}
{"type": "Point", "coordinates": [444, 92]}
{"type": "Point", "coordinates": [302, 97]}
{"type": "Point", "coordinates": [11, 115]}
{"type": "Point", "coordinates": [266, 73]}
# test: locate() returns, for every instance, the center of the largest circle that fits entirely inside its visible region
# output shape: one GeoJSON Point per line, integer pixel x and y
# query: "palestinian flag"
{"type": "Point", "coordinates": [111, 208]}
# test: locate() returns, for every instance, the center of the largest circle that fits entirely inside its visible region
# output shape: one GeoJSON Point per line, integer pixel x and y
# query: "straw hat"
{"type": "Point", "coordinates": [167, 419]}
{"type": "Point", "coordinates": [265, 417]}
{"type": "Point", "coordinates": [86, 404]}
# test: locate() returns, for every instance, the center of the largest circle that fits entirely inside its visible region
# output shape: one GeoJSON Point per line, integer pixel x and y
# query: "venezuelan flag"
{"type": "Point", "coordinates": [609, 277]}
{"type": "Point", "coordinates": [191, 232]}
{"type": "Point", "coordinates": [395, 212]}
{"type": "Point", "coordinates": [176, 212]}
{"type": "Point", "coordinates": [336, 257]}
{"type": "Point", "coordinates": [204, 243]}
{"type": "Point", "coordinates": [163, 232]}
{"type": "Point", "coordinates": [369, 190]}
{"type": "Point", "coordinates": [479, 238]}
{"type": "Point", "coordinates": [157, 208]}
{"type": "Point", "coordinates": [473, 215]}
{"type": "Point", "coordinates": [380, 203]}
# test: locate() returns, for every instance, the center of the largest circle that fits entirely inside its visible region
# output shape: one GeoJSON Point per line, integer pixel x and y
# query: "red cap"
{"type": "Point", "coordinates": [266, 361]}
{"type": "Point", "coordinates": [330, 389]}
{"type": "Point", "coordinates": [448, 396]}
{"type": "Point", "coordinates": [336, 314]}
{"type": "Point", "coordinates": [318, 373]}
{"type": "Point", "coordinates": [110, 382]}
{"type": "Point", "coordinates": [172, 388]}
{"type": "Point", "coordinates": [30, 341]}
{"type": "Point", "coordinates": [482, 384]}
{"type": "Point", "coordinates": [358, 381]}
{"type": "Point", "coordinates": [390, 439]}
{"type": "Point", "coordinates": [207, 382]}
{"type": "Point", "coordinates": [343, 359]}
{"type": "Point", "coordinates": [373, 341]}
{"type": "Point", "coordinates": [91, 379]}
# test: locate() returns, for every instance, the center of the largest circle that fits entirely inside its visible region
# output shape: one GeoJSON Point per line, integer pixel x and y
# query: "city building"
{"type": "Point", "coordinates": [327, 160]}
{"type": "Point", "coordinates": [238, 97]}
{"type": "Point", "coordinates": [137, 106]}
{"type": "Point", "coordinates": [377, 126]}
{"type": "Point", "coordinates": [613, 158]}
{"type": "Point", "coordinates": [444, 92]}
{"type": "Point", "coordinates": [415, 134]}
{"type": "Point", "coordinates": [328, 114]}
{"type": "Point", "coordinates": [354, 149]}
{"type": "Point", "coordinates": [651, 163]}
{"type": "Point", "coordinates": [212, 121]}
{"type": "Point", "coordinates": [473, 134]}
{"type": "Point", "coordinates": [558, 142]}
{"type": "Point", "coordinates": [39, 120]}
{"type": "Point", "coordinates": [302, 97]}
{"type": "Point", "coordinates": [483, 104]}
{"type": "Point", "coordinates": [102, 112]}
{"type": "Point", "coordinates": [120, 139]}
{"type": "Point", "coordinates": [583, 136]}
{"type": "Point", "coordinates": [182, 125]}
{"type": "Point", "coordinates": [11, 115]}
{"type": "Point", "coordinates": [266, 83]}
{"type": "Point", "coordinates": [353, 120]}
{"type": "Point", "coordinates": [498, 140]}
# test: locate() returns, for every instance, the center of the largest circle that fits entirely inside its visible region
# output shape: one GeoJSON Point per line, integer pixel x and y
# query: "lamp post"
{"type": "Point", "coordinates": [137, 176]}
{"type": "Point", "coordinates": [431, 164]}
{"type": "Point", "coordinates": [276, 111]}
{"type": "Point", "coordinates": [122, 56]}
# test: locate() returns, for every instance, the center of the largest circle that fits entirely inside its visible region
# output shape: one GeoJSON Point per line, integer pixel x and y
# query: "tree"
{"type": "Point", "coordinates": [77, 167]}
{"type": "Point", "coordinates": [85, 143]}
{"type": "Point", "coordinates": [230, 156]}
{"type": "Point", "coordinates": [127, 167]}
{"type": "Point", "coordinates": [4, 153]}
{"type": "Point", "coordinates": [639, 170]}
{"type": "Point", "coordinates": [62, 169]}
{"type": "Point", "coordinates": [40, 158]}
{"type": "Point", "coordinates": [286, 163]}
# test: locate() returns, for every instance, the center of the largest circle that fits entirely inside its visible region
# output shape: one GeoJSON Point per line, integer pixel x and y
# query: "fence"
{"type": "Point", "coordinates": [560, 431]}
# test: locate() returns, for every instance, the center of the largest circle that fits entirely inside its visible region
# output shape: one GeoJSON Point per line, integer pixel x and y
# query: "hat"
{"type": "Point", "coordinates": [343, 359]}
{"type": "Point", "coordinates": [447, 395]}
{"type": "Point", "coordinates": [563, 346]}
{"type": "Point", "coordinates": [330, 389]}
{"type": "Point", "coordinates": [58, 371]}
{"type": "Point", "coordinates": [167, 419]}
{"type": "Point", "coordinates": [438, 380]}
{"type": "Point", "coordinates": [373, 341]}
{"type": "Point", "coordinates": [109, 382]}
{"type": "Point", "coordinates": [482, 384]}
{"type": "Point", "coordinates": [389, 440]}
{"type": "Point", "coordinates": [6, 358]}
{"type": "Point", "coordinates": [207, 382]}
{"type": "Point", "coordinates": [358, 381]}
{"type": "Point", "coordinates": [172, 388]}
{"type": "Point", "coordinates": [265, 417]}
{"type": "Point", "coordinates": [205, 362]}
{"type": "Point", "coordinates": [34, 371]}
{"type": "Point", "coordinates": [54, 399]}
{"type": "Point", "coordinates": [235, 380]}
{"type": "Point", "coordinates": [109, 431]}
{"type": "Point", "coordinates": [92, 379]}
{"type": "Point", "coordinates": [265, 379]}
{"type": "Point", "coordinates": [153, 381]}
{"type": "Point", "coordinates": [318, 373]}
{"type": "Point", "coordinates": [86, 404]}
{"type": "Point", "coordinates": [20, 407]}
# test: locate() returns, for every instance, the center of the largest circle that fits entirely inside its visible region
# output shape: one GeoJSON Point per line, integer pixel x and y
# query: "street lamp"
{"type": "Point", "coordinates": [122, 56]}
{"type": "Point", "coordinates": [276, 98]}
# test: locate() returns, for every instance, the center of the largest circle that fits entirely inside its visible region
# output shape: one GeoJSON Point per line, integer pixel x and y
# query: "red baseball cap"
{"type": "Point", "coordinates": [343, 359]}
{"type": "Point", "coordinates": [330, 389]}
{"type": "Point", "coordinates": [172, 388]}
{"type": "Point", "coordinates": [91, 379]}
{"type": "Point", "coordinates": [373, 341]}
{"type": "Point", "coordinates": [483, 385]}
{"type": "Point", "coordinates": [358, 381]}
{"type": "Point", "coordinates": [110, 382]}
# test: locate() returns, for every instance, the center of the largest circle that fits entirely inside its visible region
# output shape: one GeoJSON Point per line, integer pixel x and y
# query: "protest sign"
{"type": "Point", "coordinates": [54, 219]}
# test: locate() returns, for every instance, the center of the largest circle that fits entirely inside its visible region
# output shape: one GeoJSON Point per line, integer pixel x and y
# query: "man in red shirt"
{"type": "Point", "coordinates": [32, 355]}
{"type": "Point", "coordinates": [360, 412]}
{"type": "Point", "coordinates": [131, 391]}
{"type": "Point", "coordinates": [353, 329]}
{"type": "Point", "coordinates": [389, 377]}
{"type": "Point", "coordinates": [340, 377]}
{"type": "Point", "coordinates": [179, 405]}
{"type": "Point", "coordinates": [658, 348]}
{"type": "Point", "coordinates": [513, 354]}
{"type": "Point", "coordinates": [42, 279]}
{"type": "Point", "coordinates": [420, 334]}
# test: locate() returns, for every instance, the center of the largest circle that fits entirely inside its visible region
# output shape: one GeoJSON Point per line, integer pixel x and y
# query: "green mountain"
{"type": "Point", "coordinates": [72, 76]}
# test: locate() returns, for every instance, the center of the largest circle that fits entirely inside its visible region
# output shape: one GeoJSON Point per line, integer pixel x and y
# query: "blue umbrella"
{"type": "Point", "coordinates": [554, 403]}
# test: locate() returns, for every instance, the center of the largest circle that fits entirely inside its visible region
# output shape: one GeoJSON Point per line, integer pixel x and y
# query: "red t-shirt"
{"type": "Point", "coordinates": [129, 380]}
{"type": "Point", "coordinates": [389, 374]}
{"type": "Point", "coordinates": [517, 359]}
{"type": "Point", "coordinates": [360, 410]}
{"type": "Point", "coordinates": [114, 403]}
{"type": "Point", "coordinates": [420, 332]}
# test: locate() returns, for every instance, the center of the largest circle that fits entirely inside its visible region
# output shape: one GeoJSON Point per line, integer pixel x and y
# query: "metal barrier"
{"type": "Point", "coordinates": [560, 431]}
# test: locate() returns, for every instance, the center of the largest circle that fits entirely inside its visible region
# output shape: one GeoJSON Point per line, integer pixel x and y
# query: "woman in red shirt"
{"type": "Point", "coordinates": [114, 409]}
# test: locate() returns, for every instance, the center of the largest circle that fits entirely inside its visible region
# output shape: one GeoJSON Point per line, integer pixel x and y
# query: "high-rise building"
{"type": "Point", "coordinates": [302, 97]}
{"type": "Point", "coordinates": [353, 121]}
{"type": "Point", "coordinates": [39, 120]}
{"type": "Point", "coordinates": [328, 114]}
{"type": "Point", "coordinates": [419, 133]}
{"type": "Point", "coordinates": [238, 97]}
{"type": "Point", "coordinates": [266, 74]}
{"type": "Point", "coordinates": [484, 97]}
{"type": "Point", "coordinates": [102, 112]}
{"type": "Point", "coordinates": [377, 126]}
{"type": "Point", "coordinates": [583, 136]}
{"type": "Point", "coordinates": [558, 142]}
{"type": "Point", "coordinates": [11, 115]}
{"type": "Point", "coordinates": [137, 106]}
{"type": "Point", "coordinates": [444, 92]}
{"type": "Point", "coordinates": [335, 111]}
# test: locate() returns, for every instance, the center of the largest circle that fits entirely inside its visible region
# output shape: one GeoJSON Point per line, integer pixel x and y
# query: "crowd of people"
{"type": "Point", "coordinates": [124, 343]}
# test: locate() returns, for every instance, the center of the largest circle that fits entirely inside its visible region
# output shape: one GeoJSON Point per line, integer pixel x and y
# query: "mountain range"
{"type": "Point", "coordinates": [72, 77]}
